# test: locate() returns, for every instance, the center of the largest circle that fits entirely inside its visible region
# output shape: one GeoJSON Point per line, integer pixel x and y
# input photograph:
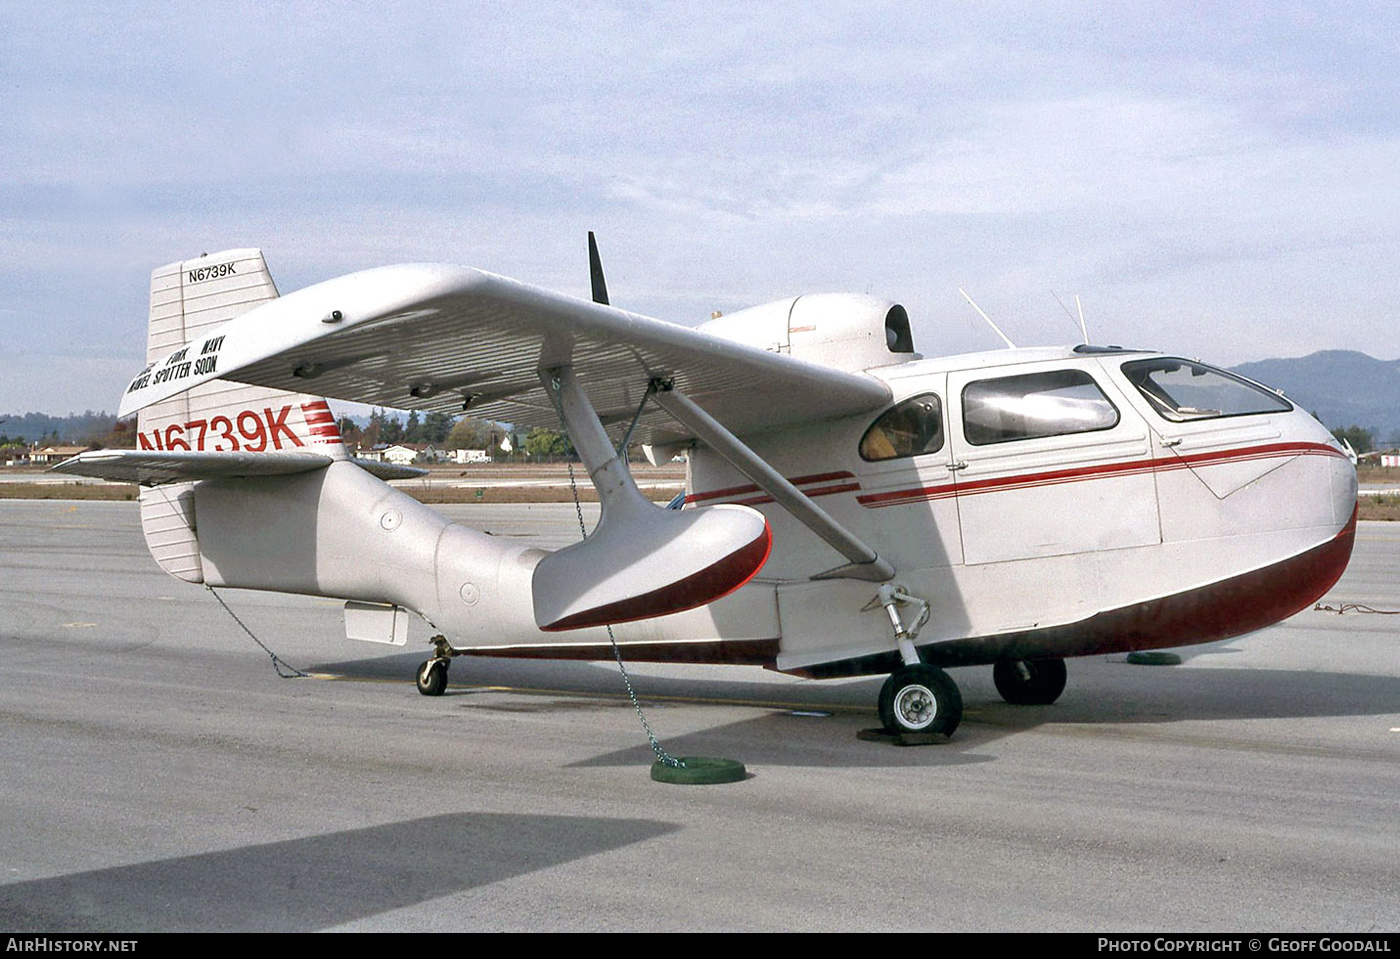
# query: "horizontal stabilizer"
{"type": "Point", "coordinates": [643, 561]}
{"type": "Point", "coordinates": [151, 467]}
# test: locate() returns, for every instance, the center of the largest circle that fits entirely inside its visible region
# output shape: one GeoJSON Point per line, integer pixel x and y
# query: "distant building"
{"type": "Point", "coordinates": [403, 454]}
{"type": "Point", "coordinates": [55, 454]}
{"type": "Point", "coordinates": [1390, 459]}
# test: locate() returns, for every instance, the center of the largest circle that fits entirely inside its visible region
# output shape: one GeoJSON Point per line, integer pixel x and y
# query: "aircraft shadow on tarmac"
{"type": "Point", "coordinates": [1107, 694]}
{"type": "Point", "coordinates": [317, 881]}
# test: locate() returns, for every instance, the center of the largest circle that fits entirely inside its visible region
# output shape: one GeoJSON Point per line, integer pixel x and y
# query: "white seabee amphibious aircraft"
{"type": "Point", "coordinates": [852, 508]}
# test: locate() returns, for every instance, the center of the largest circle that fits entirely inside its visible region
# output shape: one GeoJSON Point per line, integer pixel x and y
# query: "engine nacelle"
{"type": "Point", "coordinates": [842, 330]}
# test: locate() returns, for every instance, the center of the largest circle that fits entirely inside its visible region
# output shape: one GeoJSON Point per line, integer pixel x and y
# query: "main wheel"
{"type": "Point", "coordinates": [920, 699]}
{"type": "Point", "coordinates": [1029, 682]}
{"type": "Point", "coordinates": [432, 677]}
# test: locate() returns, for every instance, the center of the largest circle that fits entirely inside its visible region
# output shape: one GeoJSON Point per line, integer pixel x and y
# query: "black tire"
{"type": "Point", "coordinates": [432, 677]}
{"type": "Point", "coordinates": [1029, 682]}
{"type": "Point", "coordinates": [920, 699]}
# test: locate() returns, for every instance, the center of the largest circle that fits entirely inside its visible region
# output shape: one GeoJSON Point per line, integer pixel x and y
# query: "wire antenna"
{"type": "Point", "coordinates": [1083, 330]}
{"type": "Point", "coordinates": [1006, 339]}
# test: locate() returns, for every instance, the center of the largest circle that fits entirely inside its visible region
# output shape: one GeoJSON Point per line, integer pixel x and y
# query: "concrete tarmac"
{"type": "Point", "coordinates": [156, 774]}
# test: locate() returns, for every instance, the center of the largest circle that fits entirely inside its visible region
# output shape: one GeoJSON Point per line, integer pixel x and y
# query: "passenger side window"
{"type": "Point", "coordinates": [1032, 405]}
{"type": "Point", "coordinates": [911, 428]}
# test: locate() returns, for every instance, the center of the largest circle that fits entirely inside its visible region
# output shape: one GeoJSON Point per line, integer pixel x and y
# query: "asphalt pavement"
{"type": "Point", "coordinates": [157, 774]}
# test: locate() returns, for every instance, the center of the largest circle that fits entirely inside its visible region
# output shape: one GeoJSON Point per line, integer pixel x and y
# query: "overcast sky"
{"type": "Point", "coordinates": [1219, 180]}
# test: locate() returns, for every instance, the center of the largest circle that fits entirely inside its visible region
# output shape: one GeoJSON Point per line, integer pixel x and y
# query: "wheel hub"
{"type": "Point", "coordinates": [917, 707]}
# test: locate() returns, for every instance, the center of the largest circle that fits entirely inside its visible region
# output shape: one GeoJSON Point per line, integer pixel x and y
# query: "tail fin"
{"type": "Point", "coordinates": [188, 298]}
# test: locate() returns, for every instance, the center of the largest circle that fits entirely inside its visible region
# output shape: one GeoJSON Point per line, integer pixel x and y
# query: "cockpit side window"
{"type": "Point", "coordinates": [1182, 390]}
{"type": "Point", "coordinates": [911, 428]}
{"type": "Point", "coordinates": [1032, 405]}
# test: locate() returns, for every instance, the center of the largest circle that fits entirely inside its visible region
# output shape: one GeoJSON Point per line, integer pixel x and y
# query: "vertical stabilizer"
{"type": "Point", "coordinates": [190, 298]}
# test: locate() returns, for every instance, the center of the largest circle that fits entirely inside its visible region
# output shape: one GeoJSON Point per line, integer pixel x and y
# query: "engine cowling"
{"type": "Point", "coordinates": [843, 330]}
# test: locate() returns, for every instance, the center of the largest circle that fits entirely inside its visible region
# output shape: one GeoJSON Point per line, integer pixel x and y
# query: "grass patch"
{"type": "Point", "coordinates": [500, 494]}
{"type": "Point", "coordinates": [85, 491]}
{"type": "Point", "coordinates": [429, 494]}
{"type": "Point", "coordinates": [1379, 507]}
{"type": "Point", "coordinates": [1378, 474]}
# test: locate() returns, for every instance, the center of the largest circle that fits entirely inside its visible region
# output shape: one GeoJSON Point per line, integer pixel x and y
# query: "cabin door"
{"type": "Point", "coordinates": [1049, 461]}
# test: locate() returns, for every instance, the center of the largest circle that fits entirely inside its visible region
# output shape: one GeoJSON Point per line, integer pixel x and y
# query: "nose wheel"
{"type": "Point", "coordinates": [920, 699]}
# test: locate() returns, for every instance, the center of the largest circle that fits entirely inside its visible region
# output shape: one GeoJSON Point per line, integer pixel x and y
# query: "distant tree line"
{"type": "Point", "coordinates": [446, 432]}
{"type": "Point", "coordinates": [385, 428]}
{"type": "Point", "coordinates": [1359, 437]}
{"type": "Point", "coordinates": [77, 429]}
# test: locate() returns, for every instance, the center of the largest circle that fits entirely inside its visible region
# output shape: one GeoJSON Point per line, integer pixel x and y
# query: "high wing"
{"type": "Point", "coordinates": [448, 338]}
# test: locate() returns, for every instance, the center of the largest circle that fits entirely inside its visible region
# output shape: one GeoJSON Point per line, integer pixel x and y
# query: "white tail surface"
{"type": "Point", "coordinates": [187, 299]}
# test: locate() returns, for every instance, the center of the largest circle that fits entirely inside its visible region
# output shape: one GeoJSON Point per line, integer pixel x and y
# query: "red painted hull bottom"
{"type": "Point", "coordinates": [1230, 607]}
{"type": "Point", "coordinates": [1218, 611]}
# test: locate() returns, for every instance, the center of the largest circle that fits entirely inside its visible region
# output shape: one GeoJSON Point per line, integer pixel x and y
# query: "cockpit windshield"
{"type": "Point", "coordinates": [1182, 390]}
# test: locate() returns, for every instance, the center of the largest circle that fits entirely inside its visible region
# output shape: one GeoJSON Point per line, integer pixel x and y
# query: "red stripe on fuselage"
{"type": "Point", "coordinates": [794, 480]}
{"type": "Point", "coordinates": [1079, 474]}
{"type": "Point", "coordinates": [918, 494]}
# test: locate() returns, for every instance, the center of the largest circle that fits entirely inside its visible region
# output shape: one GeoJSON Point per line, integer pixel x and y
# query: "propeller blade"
{"type": "Point", "coordinates": [595, 268]}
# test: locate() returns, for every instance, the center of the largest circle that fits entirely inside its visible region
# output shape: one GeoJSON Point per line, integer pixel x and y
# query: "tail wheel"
{"type": "Point", "coordinates": [920, 699]}
{"type": "Point", "coordinates": [1029, 682]}
{"type": "Point", "coordinates": [432, 677]}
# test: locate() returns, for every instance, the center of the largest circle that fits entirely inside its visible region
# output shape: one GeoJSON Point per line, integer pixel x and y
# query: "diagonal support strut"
{"type": "Point", "coordinates": [864, 564]}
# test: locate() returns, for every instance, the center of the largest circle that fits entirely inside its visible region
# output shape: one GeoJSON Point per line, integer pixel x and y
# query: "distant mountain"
{"type": "Point", "coordinates": [1344, 388]}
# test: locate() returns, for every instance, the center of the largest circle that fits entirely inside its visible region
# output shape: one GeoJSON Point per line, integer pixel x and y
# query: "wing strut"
{"type": "Point", "coordinates": [865, 563]}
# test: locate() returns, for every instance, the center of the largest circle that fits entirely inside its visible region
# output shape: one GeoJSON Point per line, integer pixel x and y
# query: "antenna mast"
{"type": "Point", "coordinates": [1082, 328]}
{"type": "Point", "coordinates": [1005, 338]}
